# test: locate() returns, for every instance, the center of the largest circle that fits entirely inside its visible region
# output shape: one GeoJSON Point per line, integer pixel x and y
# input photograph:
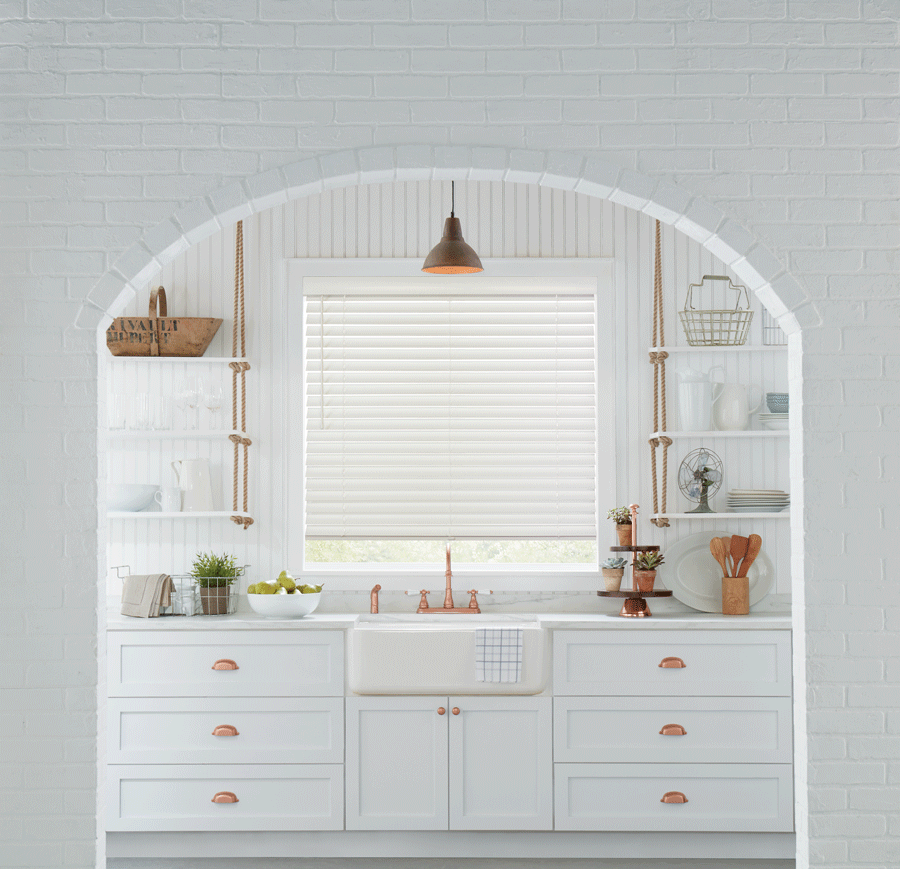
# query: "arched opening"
{"type": "Point", "coordinates": [696, 219]}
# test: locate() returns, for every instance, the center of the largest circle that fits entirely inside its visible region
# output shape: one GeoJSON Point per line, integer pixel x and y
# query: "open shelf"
{"type": "Point", "coordinates": [708, 516]}
{"type": "Point", "coordinates": [730, 348]}
{"type": "Point", "coordinates": [190, 360]}
{"type": "Point", "coordinates": [755, 433]}
{"type": "Point", "coordinates": [148, 514]}
{"type": "Point", "coordinates": [172, 434]}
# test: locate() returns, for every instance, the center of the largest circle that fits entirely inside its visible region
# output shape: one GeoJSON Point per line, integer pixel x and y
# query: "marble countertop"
{"type": "Point", "coordinates": [760, 621]}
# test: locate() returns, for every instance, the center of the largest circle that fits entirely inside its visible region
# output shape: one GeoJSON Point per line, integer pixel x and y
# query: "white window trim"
{"type": "Point", "coordinates": [518, 578]}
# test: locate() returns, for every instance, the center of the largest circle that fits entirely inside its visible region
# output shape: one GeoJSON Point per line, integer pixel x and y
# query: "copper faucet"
{"type": "Point", "coordinates": [374, 598]}
{"type": "Point", "coordinates": [448, 606]}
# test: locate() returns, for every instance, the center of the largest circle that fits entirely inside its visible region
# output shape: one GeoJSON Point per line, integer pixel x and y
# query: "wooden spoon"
{"type": "Point", "coordinates": [717, 548]}
{"type": "Point", "coordinates": [726, 545]}
{"type": "Point", "coordinates": [754, 545]}
{"type": "Point", "coordinates": [738, 551]}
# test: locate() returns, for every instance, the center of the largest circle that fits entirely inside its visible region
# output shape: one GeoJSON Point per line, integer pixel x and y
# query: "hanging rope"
{"type": "Point", "coordinates": [658, 358]}
{"type": "Point", "coordinates": [238, 382]}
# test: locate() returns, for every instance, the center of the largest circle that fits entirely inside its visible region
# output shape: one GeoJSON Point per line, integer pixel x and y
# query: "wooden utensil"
{"type": "Point", "coordinates": [738, 552]}
{"type": "Point", "coordinates": [754, 545]}
{"type": "Point", "coordinates": [726, 545]}
{"type": "Point", "coordinates": [717, 548]}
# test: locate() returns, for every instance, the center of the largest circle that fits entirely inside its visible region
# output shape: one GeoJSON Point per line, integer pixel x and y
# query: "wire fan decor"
{"type": "Point", "coordinates": [700, 477]}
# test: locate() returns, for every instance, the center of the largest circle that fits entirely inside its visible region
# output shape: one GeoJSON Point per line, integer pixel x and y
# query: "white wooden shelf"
{"type": "Point", "coordinates": [190, 360]}
{"type": "Point", "coordinates": [148, 514]}
{"type": "Point", "coordinates": [730, 348]}
{"type": "Point", "coordinates": [171, 434]}
{"type": "Point", "coordinates": [770, 433]}
{"type": "Point", "coordinates": [705, 516]}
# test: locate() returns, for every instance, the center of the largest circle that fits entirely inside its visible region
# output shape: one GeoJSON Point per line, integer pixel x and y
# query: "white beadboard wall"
{"type": "Point", "coordinates": [405, 220]}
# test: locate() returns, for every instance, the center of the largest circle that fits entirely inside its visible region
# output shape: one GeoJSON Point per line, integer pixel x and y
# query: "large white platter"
{"type": "Point", "coordinates": [695, 578]}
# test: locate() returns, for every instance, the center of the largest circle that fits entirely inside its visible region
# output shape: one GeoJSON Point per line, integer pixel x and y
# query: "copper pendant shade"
{"type": "Point", "coordinates": [451, 255]}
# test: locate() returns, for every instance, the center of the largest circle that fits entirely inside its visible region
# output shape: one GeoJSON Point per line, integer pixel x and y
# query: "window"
{"type": "Point", "coordinates": [446, 409]}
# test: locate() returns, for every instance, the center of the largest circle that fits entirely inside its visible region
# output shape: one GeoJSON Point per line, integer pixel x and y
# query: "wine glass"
{"type": "Point", "coordinates": [187, 398]}
{"type": "Point", "coordinates": [212, 399]}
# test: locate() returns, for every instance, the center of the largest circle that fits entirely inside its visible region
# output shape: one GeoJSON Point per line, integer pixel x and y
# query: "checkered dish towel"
{"type": "Point", "coordinates": [498, 655]}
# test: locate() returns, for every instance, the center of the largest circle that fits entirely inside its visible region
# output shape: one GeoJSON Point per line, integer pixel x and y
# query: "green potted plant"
{"type": "Point", "coordinates": [613, 569]}
{"type": "Point", "coordinates": [215, 574]}
{"type": "Point", "coordinates": [644, 569]}
{"type": "Point", "coordinates": [622, 517]}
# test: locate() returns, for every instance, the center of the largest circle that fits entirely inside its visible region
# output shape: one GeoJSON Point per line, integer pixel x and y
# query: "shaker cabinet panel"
{"type": "Point", "coordinates": [225, 730]}
{"type": "Point", "coordinates": [225, 663]}
{"type": "Point", "coordinates": [672, 729]}
{"type": "Point", "coordinates": [501, 765]}
{"type": "Point", "coordinates": [396, 763]}
{"type": "Point", "coordinates": [706, 663]}
{"type": "Point", "coordinates": [225, 797]}
{"type": "Point", "coordinates": [674, 797]}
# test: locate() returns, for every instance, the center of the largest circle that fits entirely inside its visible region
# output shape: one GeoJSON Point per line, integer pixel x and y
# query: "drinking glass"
{"type": "Point", "coordinates": [213, 397]}
{"type": "Point", "coordinates": [187, 398]}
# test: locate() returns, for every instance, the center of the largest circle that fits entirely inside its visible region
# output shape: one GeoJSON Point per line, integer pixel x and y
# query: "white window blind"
{"type": "Point", "coordinates": [468, 416]}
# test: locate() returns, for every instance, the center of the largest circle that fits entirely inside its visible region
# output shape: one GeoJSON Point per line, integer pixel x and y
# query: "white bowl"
{"type": "Point", "coordinates": [284, 606]}
{"type": "Point", "coordinates": [129, 497]}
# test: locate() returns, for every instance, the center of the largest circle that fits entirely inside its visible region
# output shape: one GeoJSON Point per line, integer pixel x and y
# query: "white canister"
{"type": "Point", "coordinates": [695, 398]}
{"type": "Point", "coordinates": [196, 489]}
{"type": "Point", "coordinates": [169, 499]}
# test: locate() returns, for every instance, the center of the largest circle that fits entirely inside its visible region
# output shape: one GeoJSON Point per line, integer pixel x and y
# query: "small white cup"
{"type": "Point", "coordinates": [169, 499]}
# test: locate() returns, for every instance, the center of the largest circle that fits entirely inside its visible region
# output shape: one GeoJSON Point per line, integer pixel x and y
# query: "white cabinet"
{"type": "Point", "coordinates": [225, 730]}
{"type": "Point", "coordinates": [484, 763]}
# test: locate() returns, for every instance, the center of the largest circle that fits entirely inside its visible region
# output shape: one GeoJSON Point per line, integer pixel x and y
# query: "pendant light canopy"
{"type": "Point", "coordinates": [451, 255]}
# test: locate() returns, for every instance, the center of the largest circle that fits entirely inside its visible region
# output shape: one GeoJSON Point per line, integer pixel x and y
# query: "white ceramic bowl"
{"type": "Point", "coordinates": [129, 497]}
{"type": "Point", "coordinates": [284, 606]}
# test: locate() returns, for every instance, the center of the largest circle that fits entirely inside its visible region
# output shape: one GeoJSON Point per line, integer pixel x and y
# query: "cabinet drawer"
{"type": "Point", "coordinates": [716, 663]}
{"type": "Point", "coordinates": [268, 663]}
{"type": "Point", "coordinates": [720, 797]}
{"type": "Point", "coordinates": [717, 730]}
{"type": "Point", "coordinates": [181, 730]}
{"type": "Point", "coordinates": [308, 797]}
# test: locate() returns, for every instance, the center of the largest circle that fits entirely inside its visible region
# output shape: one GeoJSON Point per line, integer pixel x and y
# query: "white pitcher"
{"type": "Point", "coordinates": [731, 406]}
{"type": "Point", "coordinates": [695, 398]}
{"type": "Point", "coordinates": [193, 478]}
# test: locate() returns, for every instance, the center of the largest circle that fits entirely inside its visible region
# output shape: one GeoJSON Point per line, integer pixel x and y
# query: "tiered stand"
{"type": "Point", "coordinates": [635, 605]}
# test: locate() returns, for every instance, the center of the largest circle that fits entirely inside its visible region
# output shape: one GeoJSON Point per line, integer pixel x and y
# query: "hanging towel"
{"type": "Point", "coordinates": [143, 595]}
{"type": "Point", "coordinates": [498, 655]}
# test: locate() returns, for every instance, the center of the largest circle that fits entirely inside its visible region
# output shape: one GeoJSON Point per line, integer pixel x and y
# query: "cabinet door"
{"type": "Point", "coordinates": [396, 763]}
{"type": "Point", "coordinates": [501, 764]}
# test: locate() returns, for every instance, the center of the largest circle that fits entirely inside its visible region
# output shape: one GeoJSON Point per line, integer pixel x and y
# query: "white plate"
{"type": "Point", "coordinates": [757, 492]}
{"type": "Point", "coordinates": [776, 424]}
{"type": "Point", "coordinates": [760, 508]}
{"type": "Point", "coordinates": [695, 577]}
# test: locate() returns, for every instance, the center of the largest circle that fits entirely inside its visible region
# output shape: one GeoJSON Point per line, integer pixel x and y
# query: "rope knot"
{"type": "Point", "coordinates": [658, 356]}
{"type": "Point", "coordinates": [235, 439]}
{"type": "Point", "coordinates": [236, 367]}
{"type": "Point", "coordinates": [665, 441]}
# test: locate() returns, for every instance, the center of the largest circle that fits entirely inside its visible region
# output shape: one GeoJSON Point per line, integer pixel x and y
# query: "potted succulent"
{"type": "Point", "coordinates": [622, 517]}
{"type": "Point", "coordinates": [215, 574]}
{"type": "Point", "coordinates": [644, 569]}
{"type": "Point", "coordinates": [613, 570]}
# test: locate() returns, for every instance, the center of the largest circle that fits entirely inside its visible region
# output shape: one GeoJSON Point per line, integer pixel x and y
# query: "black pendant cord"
{"type": "Point", "coordinates": [452, 197]}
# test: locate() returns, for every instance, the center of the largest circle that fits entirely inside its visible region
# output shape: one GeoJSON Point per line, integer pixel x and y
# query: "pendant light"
{"type": "Point", "coordinates": [451, 255]}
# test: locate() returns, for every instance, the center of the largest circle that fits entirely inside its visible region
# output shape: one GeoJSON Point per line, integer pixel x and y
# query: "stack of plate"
{"type": "Point", "coordinates": [758, 500]}
{"type": "Point", "coordinates": [774, 421]}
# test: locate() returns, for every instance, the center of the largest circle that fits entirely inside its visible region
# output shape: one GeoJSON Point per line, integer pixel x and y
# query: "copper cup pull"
{"type": "Point", "coordinates": [455, 710]}
{"type": "Point", "coordinates": [671, 662]}
{"type": "Point", "coordinates": [225, 664]}
{"type": "Point", "coordinates": [225, 730]}
{"type": "Point", "coordinates": [224, 797]}
{"type": "Point", "coordinates": [674, 797]}
{"type": "Point", "coordinates": [441, 710]}
{"type": "Point", "coordinates": [672, 730]}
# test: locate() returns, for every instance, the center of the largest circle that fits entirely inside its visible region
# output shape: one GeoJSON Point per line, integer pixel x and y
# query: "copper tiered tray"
{"type": "Point", "coordinates": [635, 605]}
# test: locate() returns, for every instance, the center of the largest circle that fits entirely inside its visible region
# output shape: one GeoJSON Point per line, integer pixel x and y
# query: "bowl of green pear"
{"type": "Point", "coordinates": [284, 598]}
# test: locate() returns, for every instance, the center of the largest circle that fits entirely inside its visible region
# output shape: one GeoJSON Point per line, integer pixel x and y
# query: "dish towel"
{"type": "Point", "coordinates": [498, 655]}
{"type": "Point", "coordinates": [143, 595]}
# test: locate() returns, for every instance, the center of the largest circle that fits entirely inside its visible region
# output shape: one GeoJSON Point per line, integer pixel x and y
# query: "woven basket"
{"type": "Point", "coordinates": [159, 335]}
{"type": "Point", "coordinates": [716, 328]}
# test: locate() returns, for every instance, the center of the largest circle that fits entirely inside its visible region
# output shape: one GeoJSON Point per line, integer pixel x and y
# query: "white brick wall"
{"type": "Point", "coordinates": [764, 128]}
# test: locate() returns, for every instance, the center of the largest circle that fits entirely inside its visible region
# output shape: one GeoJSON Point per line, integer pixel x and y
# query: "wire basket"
{"type": "Point", "coordinates": [189, 599]}
{"type": "Point", "coordinates": [773, 334]}
{"type": "Point", "coordinates": [716, 328]}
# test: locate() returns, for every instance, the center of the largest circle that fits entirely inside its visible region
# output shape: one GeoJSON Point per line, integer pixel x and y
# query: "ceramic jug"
{"type": "Point", "coordinates": [695, 398]}
{"type": "Point", "coordinates": [731, 405]}
{"type": "Point", "coordinates": [193, 478]}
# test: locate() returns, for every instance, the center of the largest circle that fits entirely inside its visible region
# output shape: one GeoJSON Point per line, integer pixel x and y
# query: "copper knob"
{"type": "Point", "coordinates": [225, 730]}
{"type": "Point", "coordinates": [671, 662]}
{"type": "Point", "coordinates": [674, 797]}
{"type": "Point", "coordinates": [672, 730]}
{"type": "Point", "coordinates": [455, 710]}
{"type": "Point", "coordinates": [441, 710]}
{"type": "Point", "coordinates": [225, 664]}
{"type": "Point", "coordinates": [224, 797]}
